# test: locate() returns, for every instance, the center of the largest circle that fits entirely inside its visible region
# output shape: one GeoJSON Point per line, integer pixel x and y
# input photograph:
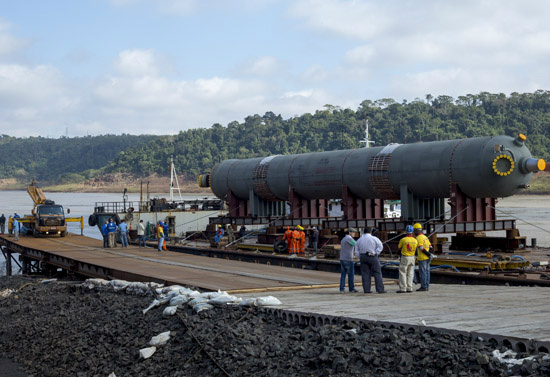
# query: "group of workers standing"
{"type": "Point", "coordinates": [14, 226]}
{"type": "Point", "coordinates": [110, 228]}
{"type": "Point", "coordinates": [368, 248]}
{"type": "Point", "coordinates": [296, 240]}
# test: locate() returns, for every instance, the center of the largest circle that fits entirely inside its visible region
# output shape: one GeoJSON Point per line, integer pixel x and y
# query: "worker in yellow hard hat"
{"type": "Point", "coordinates": [407, 245]}
{"type": "Point", "coordinates": [302, 247]}
{"type": "Point", "coordinates": [424, 256]}
{"type": "Point", "coordinates": [295, 243]}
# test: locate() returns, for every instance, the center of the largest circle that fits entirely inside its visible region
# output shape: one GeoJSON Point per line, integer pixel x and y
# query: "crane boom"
{"type": "Point", "coordinates": [36, 194]}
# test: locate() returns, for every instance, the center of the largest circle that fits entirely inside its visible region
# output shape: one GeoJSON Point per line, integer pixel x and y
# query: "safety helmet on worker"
{"type": "Point", "coordinates": [409, 229]}
{"type": "Point", "coordinates": [417, 226]}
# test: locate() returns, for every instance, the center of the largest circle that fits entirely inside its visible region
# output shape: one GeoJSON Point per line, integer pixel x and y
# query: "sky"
{"type": "Point", "coordinates": [95, 67]}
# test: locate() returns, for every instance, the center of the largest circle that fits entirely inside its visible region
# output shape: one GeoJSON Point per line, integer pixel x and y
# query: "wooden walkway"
{"type": "Point", "coordinates": [86, 256]}
{"type": "Point", "coordinates": [520, 312]}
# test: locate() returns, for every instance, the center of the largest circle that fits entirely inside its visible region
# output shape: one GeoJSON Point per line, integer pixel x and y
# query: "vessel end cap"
{"type": "Point", "coordinates": [541, 164]}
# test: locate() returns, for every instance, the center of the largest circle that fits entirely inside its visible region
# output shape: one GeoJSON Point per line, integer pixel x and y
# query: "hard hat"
{"type": "Point", "coordinates": [300, 227]}
{"type": "Point", "coordinates": [409, 229]}
{"type": "Point", "coordinates": [417, 226]}
{"type": "Point", "coordinates": [219, 226]}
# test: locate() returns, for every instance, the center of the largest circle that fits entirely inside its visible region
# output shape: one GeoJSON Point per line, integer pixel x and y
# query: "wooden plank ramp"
{"type": "Point", "coordinates": [86, 256]}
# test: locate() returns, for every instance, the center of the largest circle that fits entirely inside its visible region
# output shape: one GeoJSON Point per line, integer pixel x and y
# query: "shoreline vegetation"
{"type": "Point", "coordinates": [111, 183]}
{"type": "Point", "coordinates": [114, 183]}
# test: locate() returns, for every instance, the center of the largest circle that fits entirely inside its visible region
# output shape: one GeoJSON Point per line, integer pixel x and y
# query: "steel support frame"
{"type": "Point", "coordinates": [465, 209]}
{"type": "Point", "coordinates": [356, 208]}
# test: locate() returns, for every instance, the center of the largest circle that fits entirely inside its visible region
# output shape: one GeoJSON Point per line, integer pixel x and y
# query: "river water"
{"type": "Point", "coordinates": [532, 212]}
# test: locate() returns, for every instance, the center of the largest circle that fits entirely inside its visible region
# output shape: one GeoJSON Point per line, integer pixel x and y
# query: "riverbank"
{"type": "Point", "coordinates": [62, 328]}
{"type": "Point", "coordinates": [111, 183]}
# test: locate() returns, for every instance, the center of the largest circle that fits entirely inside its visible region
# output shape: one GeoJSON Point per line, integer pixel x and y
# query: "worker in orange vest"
{"type": "Point", "coordinates": [288, 238]}
{"type": "Point", "coordinates": [302, 245]}
{"type": "Point", "coordinates": [295, 244]}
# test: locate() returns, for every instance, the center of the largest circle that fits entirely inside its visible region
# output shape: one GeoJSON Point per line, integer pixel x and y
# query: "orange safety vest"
{"type": "Point", "coordinates": [302, 242]}
{"type": "Point", "coordinates": [288, 239]}
{"type": "Point", "coordinates": [295, 244]}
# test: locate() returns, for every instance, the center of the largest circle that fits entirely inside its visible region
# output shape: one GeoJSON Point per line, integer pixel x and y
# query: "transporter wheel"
{"type": "Point", "coordinates": [280, 247]}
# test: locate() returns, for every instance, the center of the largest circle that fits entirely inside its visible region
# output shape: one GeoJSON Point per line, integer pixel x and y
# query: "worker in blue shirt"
{"type": "Point", "coordinates": [105, 233]}
{"type": "Point", "coordinates": [165, 228]}
{"type": "Point", "coordinates": [15, 227]}
{"type": "Point", "coordinates": [123, 228]}
{"type": "Point", "coordinates": [111, 229]}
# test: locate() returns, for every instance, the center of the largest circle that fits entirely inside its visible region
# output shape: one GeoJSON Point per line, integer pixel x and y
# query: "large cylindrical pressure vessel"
{"type": "Point", "coordinates": [485, 167]}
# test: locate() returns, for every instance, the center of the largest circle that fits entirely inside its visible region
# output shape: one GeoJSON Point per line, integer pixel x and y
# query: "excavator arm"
{"type": "Point", "coordinates": [36, 194]}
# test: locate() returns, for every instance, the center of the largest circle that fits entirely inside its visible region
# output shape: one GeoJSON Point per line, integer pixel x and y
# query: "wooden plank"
{"type": "Point", "coordinates": [520, 312]}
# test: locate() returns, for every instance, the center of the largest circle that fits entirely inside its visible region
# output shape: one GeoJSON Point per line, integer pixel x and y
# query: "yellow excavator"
{"type": "Point", "coordinates": [47, 217]}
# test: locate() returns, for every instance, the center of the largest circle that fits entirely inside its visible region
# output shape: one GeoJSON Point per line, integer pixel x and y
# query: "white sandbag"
{"type": "Point", "coordinates": [163, 300]}
{"type": "Point", "coordinates": [211, 295]}
{"type": "Point", "coordinates": [112, 374]}
{"type": "Point", "coordinates": [178, 300]}
{"type": "Point", "coordinates": [171, 288]}
{"type": "Point", "coordinates": [225, 299]}
{"type": "Point", "coordinates": [509, 358]}
{"type": "Point", "coordinates": [6, 292]}
{"type": "Point", "coordinates": [248, 302]}
{"type": "Point", "coordinates": [45, 281]}
{"type": "Point", "coordinates": [169, 311]}
{"type": "Point", "coordinates": [98, 284]}
{"type": "Point", "coordinates": [202, 306]}
{"type": "Point", "coordinates": [194, 294]}
{"type": "Point", "coordinates": [197, 300]}
{"type": "Point", "coordinates": [268, 301]}
{"type": "Point", "coordinates": [146, 353]}
{"type": "Point", "coordinates": [137, 287]}
{"type": "Point", "coordinates": [118, 285]}
{"type": "Point", "coordinates": [154, 304]}
{"type": "Point", "coordinates": [185, 291]}
{"type": "Point", "coordinates": [160, 339]}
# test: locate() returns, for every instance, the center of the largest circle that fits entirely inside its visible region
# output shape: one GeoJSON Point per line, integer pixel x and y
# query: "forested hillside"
{"type": "Point", "coordinates": [61, 160]}
{"type": "Point", "coordinates": [197, 150]}
{"type": "Point", "coordinates": [439, 118]}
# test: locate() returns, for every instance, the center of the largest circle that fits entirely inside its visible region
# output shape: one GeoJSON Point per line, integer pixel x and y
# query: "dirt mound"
{"type": "Point", "coordinates": [62, 329]}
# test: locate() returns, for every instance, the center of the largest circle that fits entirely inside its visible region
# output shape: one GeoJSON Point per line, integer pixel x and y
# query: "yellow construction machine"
{"type": "Point", "coordinates": [47, 217]}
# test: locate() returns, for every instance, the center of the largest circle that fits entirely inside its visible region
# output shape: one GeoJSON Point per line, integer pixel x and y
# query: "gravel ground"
{"type": "Point", "coordinates": [62, 329]}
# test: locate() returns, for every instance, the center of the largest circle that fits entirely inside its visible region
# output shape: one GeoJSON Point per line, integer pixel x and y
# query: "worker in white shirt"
{"type": "Point", "coordinates": [368, 249]}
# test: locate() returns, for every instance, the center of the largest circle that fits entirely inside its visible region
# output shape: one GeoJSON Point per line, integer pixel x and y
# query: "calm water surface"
{"type": "Point", "coordinates": [532, 211]}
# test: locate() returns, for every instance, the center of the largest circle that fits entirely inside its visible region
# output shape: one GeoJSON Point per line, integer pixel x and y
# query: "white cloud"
{"type": "Point", "coordinates": [453, 81]}
{"type": "Point", "coordinates": [359, 20]}
{"type": "Point", "coordinates": [34, 100]}
{"type": "Point", "coordinates": [262, 66]}
{"type": "Point", "coordinates": [8, 43]}
{"type": "Point", "coordinates": [360, 55]}
{"type": "Point", "coordinates": [442, 46]}
{"type": "Point", "coordinates": [137, 63]}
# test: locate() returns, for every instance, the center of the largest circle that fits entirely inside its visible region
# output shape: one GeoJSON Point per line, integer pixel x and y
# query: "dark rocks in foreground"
{"type": "Point", "coordinates": [61, 329]}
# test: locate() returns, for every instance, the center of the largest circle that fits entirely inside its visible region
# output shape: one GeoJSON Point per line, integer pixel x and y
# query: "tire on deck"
{"type": "Point", "coordinates": [280, 247]}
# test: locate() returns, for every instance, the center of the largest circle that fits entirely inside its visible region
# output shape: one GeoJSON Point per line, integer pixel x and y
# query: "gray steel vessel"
{"type": "Point", "coordinates": [484, 167]}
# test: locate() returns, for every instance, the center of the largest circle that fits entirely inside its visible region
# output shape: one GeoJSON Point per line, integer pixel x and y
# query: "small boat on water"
{"type": "Point", "coordinates": [182, 216]}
